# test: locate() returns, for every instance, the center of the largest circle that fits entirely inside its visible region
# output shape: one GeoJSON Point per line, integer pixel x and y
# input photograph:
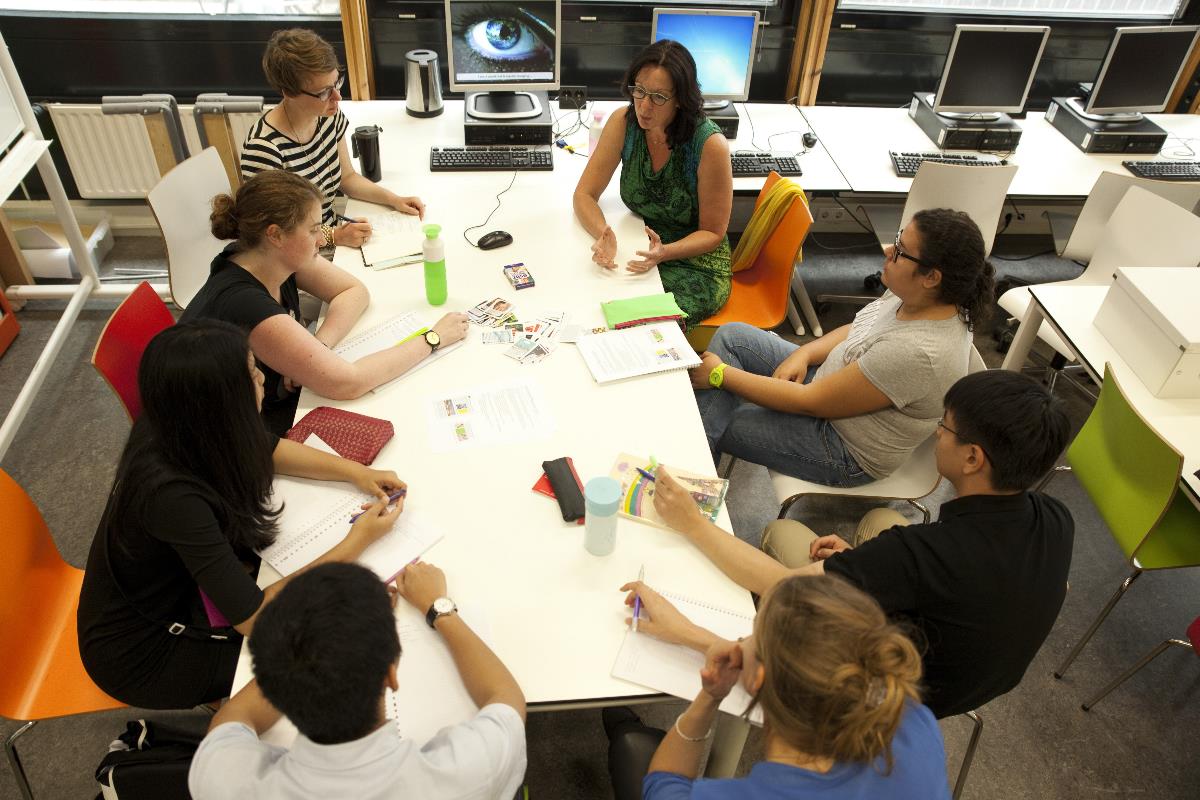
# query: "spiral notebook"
{"type": "Point", "coordinates": [396, 238]}
{"type": "Point", "coordinates": [675, 669]}
{"type": "Point", "coordinates": [631, 352]}
{"type": "Point", "coordinates": [394, 331]}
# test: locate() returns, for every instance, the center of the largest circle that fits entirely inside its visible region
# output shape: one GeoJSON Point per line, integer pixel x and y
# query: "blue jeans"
{"type": "Point", "coordinates": [795, 444]}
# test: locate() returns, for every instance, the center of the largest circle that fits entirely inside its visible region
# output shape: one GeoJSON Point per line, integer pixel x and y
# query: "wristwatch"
{"type": "Point", "coordinates": [433, 340]}
{"type": "Point", "coordinates": [440, 608]}
{"type": "Point", "coordinates": [717, 376]}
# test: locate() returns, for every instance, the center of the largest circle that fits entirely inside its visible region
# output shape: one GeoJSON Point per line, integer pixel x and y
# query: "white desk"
{"type": "Point", "coordinates": [554, 612]}
{"type": "Point", "coordinates": [1071, 311]}
{"type": "Point", "coordinates": [858, 139]}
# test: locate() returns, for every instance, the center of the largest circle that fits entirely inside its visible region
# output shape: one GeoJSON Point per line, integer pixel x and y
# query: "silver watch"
{"type": "Point", "coordinates": [440, 608]}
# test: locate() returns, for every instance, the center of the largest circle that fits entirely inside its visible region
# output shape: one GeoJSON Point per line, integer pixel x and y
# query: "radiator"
{"type": "Point", "coordinates": [110, 155]}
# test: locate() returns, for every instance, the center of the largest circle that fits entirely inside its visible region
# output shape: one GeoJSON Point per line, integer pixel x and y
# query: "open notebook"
{"type": "Point", "coordinates": [675, 669]}
{"type": "Point", "coordinates": [395, 238]}
{"type": "Point", "coordinates": [637, 491]}
{"type": "Point", "coordinates": [644, 350]}
{"type": "Point", "coordinates": [387, 334]}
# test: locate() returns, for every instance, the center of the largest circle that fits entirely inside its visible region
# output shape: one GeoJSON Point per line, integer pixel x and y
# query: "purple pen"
{"type": "Point", "coordinates": [393, 497]}
{"type": "Point", "coordinates": [637, 601]}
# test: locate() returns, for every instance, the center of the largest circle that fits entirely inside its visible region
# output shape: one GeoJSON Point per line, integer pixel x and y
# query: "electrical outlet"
{"type": "Point", "coordinates": [572, 96]}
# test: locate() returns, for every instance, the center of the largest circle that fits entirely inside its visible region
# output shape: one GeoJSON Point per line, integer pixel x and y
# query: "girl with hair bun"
{"type": "Point", "coordinates": [255, 284]}
{"type": "Point", "coordinates": [838, 686]}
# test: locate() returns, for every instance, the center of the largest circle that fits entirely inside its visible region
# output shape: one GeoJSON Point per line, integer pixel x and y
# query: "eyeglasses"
{"type": "Point", "coordinates": [328, 91]}
{"type": "Point", "coordinates": [638, 92]}
{"type": "Point", "coordinates": [942, 424]}
{"type": "Point", "coordinates": [898, 253]}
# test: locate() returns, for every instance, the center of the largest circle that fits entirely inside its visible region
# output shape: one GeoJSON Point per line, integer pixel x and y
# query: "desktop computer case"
{"type": "Point", "coordinates": [1100, 137]}
{"type": "Point", "coordinates": [1001, 136]}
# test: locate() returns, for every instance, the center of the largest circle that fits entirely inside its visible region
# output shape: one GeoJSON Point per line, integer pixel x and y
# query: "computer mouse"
{"type": "Point", "coordinates": [490, 241]}
{"type": "Point", "coordinates": [809, 139]}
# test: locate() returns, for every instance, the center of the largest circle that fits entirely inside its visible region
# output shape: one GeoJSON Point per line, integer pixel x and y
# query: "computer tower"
{"type": "Point", "coordinates": [727, 120]}
{"type": "Point", "coordinates": [997, 136]}
{"type": "Point", "coordinates": [530, 131]}
{"type": "Point", "coordinates": [1104, 137]}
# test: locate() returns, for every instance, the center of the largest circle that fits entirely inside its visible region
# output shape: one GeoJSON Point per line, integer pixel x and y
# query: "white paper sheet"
{"type": "Point", "coordinates": [501, 413]}
{"type": "Point", "coordinates": [395, 238]}
{"type": "Point", "coordinates": [646, 349]}
{"type": "Point", "coordinates": [389, 334]}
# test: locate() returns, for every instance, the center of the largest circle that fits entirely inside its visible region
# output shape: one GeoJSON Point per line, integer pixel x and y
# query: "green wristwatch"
{"type": "Point", "coordinates": [717, 376]}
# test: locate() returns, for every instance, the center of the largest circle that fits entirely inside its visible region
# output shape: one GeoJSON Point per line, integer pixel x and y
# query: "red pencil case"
{"type": "Point", "coordinates": [353, 436]}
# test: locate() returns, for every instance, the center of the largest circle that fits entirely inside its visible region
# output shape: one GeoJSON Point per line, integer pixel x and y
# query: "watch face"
{"type": "Point", "coordinates": [433, 338]}
{"type": "Point", "coordinates": [443, 605]}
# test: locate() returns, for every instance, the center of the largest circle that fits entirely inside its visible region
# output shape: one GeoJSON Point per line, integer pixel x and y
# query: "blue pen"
{"type": "Point", "coordinates": [645, 474]}
{"type": "Point", "coordinates": [637, 600]}
{"type": "Point", "coordinates": [393, 497]}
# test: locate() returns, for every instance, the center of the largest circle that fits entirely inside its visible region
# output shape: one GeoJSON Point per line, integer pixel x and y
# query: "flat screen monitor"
{"type": "Point", "coordinates": [990, 68]}
{"type": "Point", "coordinates": [1140, 69]}
{"type": "Point", "coordinates": [501, 49]}
{"type": "Point", "coordinates": [721, 42]}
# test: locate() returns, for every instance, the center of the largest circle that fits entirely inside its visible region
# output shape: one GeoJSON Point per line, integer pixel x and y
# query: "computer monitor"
{"type": "Point", "coordinates": [1139, 71]}
{"type": "Point", "coordinates": [989, 69]}
{"type": "Point", "coordinates": [501, 51]}
{"type": "Point", "coordinates": [721, 42]}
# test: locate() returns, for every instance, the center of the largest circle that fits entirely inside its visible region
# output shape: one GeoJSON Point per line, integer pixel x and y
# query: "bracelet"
{"type": "Point", "coordinates": [687, 738]}
{"type": "Point", "coordinates": [327, 232]}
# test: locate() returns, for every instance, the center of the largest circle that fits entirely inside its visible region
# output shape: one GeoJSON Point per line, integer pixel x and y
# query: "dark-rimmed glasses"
{"type": "Point", "coordinates": [328, 91]}
{"type": "Point", "coordinates": [898, 253]}
{"type": "Point", "coordinates": [942, 424]}
{"type": "Point", "coordinates": [639, 92]}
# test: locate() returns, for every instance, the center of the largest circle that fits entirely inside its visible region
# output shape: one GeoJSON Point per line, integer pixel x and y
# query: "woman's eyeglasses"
{"type": "Point", "coordinates": [638, 92]}
{"type": "Point", "coordinates": [898, 253]}
{"type": "Point", "coordinates": [328, 91]}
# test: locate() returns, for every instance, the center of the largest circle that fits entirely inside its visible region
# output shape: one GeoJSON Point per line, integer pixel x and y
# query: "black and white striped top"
{"type": "Point", "coordinates": [316, 159]}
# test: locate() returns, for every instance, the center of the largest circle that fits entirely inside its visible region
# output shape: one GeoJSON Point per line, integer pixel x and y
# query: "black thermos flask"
{"type": "Point", "coordinates": [365, 145]}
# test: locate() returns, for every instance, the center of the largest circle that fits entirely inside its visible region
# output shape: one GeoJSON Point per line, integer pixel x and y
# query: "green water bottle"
{"type": "Point", "coordinates": [435, 265]}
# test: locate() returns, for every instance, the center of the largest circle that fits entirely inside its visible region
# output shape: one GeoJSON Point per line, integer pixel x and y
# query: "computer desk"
{"type": "Point", "coordinates": [552, 612]}
{"type": "Point", "coordinates": [858, 140]}
{"type": "Point", "coordinates": [1071, 311]}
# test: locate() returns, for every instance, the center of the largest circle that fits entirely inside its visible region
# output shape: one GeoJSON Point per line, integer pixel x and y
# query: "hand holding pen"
{"type": "Point", "coordinates": [375, 521]}
{"type": "Point", "coordinates": [352, 232]}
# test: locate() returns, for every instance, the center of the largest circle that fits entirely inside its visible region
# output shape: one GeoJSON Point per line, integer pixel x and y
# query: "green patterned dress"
{"type": "Point", "coordinates": [669, 202]}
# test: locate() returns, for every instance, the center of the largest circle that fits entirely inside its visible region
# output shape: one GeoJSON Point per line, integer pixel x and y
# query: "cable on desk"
{"type": "Point", "coordinates": [493, 211]}
{"type": "Point", "coordinates": [854, 216]}
{"type": "Point", "coordinates": [1183, 152]}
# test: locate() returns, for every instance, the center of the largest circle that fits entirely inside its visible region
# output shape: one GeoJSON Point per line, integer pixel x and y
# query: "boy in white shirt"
{"type": "Point", "coordinates": [325, 650]}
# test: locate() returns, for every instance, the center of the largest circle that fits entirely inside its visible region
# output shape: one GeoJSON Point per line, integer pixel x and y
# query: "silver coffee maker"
{"type": "Point", "coordinates": [423, 83]}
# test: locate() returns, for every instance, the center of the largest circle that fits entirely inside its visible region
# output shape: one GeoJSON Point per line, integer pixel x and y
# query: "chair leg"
{"type": "Point", "coordinates": [787, 504]}
{"type": "Point", "coordinates": [920, 507]}
{"type": "Point", "coordinates": [1153, 654]}
{"type": "Point", "coordinates": [14, 761]}
{"type": "Point", "coordinates": [793, 317]}
{"type": "Point", "coordinates": [806, 304]}
{"type": "Point", "coordinates": [1124, 587]}
{"type": "Point", "coordinates": [970, 755]}
{"type": "Point", "coordinates": [729, 469]}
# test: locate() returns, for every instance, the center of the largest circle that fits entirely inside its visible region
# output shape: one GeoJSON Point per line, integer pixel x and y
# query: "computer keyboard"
{"type": "Point", "coordinates": [906, 164]}
{"type": "Point", "coordinates": [494, 158]}
{"type": "Point", "coordinates": [1165, 170]}
{"type": "Point", "coordinates": [749, 164]}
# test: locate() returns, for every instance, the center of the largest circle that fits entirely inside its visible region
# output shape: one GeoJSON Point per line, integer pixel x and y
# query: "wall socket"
{"type": "Point", "coordinates": [572, 97]}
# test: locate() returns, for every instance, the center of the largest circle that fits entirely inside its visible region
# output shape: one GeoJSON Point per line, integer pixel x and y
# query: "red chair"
{"type": "Point", "coordinates": [118, 352]}
{"type": "Point", "coordinates": [43, 675]}
{"type": "Point", "coordinates": [1193, 642]}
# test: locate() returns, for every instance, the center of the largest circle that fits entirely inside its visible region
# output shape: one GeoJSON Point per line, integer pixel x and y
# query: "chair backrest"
{"type": "Point", "coordinates": [118, 352]}
{"type": "Point", "coordinates": [1145, 230]}
{"type": "Point", "coordinates": [978, 191]}
{"type": "Point", "coordinates": [182, 202]}
{"type": "Point", "coordinates": [788, 237]}
{"type": "Point", "coordinates": [975, 362]}
{"type": "Point", "coordinates": [1131, 494]}
{"type": "Point", "coordinates": [1102, 201]}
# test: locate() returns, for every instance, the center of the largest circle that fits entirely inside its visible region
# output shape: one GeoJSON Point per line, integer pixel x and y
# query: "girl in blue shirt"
{"type": "Point", "coordinates": [838, 686]}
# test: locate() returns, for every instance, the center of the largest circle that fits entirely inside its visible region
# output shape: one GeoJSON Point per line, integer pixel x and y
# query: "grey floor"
{"type": "Point", "coordinates": [1140, 742]}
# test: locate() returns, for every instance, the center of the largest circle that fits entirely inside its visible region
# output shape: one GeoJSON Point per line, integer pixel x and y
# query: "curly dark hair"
{"type": "Point", "coordinates": [951, 241]}
{"type": "Point", "coordinates": [679, 64]}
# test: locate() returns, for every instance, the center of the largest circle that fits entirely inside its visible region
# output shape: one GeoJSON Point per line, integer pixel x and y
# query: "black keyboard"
{"type": "Point", "coordinates": [1165, 170]}
{"type": "Point", "coordinates": [485, 159]}
{"type": "Point", "coordinates": [749, 165]}
{"type": "Point", "coordinates": [906, 164]}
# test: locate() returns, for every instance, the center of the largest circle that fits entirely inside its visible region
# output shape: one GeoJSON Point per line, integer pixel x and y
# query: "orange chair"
{"type": "Point", "coordinates": [43, 676]}
{"type": "Point", "coordinates": [761, 294]}
{"type": "Point", "coordinates": [118, 352]}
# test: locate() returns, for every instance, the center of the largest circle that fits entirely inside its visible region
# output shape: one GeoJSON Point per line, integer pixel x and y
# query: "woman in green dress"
{"type": "Point", "coordinates": [675, 174]}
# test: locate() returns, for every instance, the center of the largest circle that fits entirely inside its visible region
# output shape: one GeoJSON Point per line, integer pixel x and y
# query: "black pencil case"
{"type": "Point", "coordinates": [566, 488]}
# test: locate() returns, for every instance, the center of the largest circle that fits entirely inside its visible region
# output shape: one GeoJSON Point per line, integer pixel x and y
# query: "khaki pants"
{"type": "Point", "coordinates": [788, 541]}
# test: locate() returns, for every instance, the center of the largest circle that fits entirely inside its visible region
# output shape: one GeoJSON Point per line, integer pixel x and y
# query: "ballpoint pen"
{"type": "Point", "coordinates": [393, 497]}
{"type": "Point", "coordinates": [648, 476]}
{"type": "Point", "coordinates": [637, 601]}
{"type": "Point", "coordinates": [344, 218]}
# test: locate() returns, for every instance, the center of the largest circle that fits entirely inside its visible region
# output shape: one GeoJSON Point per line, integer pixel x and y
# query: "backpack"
{"type": "Point", "coordinates": [149, 761]}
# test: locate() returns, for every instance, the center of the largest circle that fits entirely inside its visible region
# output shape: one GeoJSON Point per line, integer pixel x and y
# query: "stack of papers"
{"type": "Point", "coordinates": [644, 350]}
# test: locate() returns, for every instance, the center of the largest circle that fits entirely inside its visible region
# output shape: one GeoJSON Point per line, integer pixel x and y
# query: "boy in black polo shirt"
{"type": "Point", "coordinates": [981, 587]}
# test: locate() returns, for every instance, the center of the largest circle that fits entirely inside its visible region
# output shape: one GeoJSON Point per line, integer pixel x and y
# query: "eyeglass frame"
{"type": "Point", "coordinates": [899, 253]}
{"type": "Point", "coordinates": [635, 88]}
{"type": "Point", "coordinates": [942, 424]}
{"type": "Point", "coordinates": [329, 90]}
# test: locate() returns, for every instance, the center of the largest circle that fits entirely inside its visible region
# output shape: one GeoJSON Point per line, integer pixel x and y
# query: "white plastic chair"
{"type": "Point", "coordinates": [914, 479]}
{"type": "Point", "coordinates": [1145, 230]}
{"type": "Point", "coordinates": [182, 202]}
{"type": "Point", "coordinates": [1101, 202]}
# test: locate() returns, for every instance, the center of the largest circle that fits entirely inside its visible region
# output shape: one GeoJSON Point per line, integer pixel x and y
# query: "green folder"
{"type": "Point", "coordinates": [641, 310]}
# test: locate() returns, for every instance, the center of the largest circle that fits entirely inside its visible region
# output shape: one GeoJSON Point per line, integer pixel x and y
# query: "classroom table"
{"type": "Point", "coordinates": [552, 612]}
{"type": "Point", "coordinates": [1071, 311]}
{"type": "Point", "coordinates": [858, 140]}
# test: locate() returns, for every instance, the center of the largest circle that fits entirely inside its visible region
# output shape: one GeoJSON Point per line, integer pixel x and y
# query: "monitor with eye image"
{"type": "Point", "coordinates": [500, 53]}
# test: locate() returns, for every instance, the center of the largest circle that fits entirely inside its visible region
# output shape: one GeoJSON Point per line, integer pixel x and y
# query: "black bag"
{"type": "Point", "coordinates": [149, 761]}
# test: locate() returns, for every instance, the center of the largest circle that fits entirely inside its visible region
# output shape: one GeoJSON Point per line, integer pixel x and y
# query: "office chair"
{"type": "Point", "coordinates": [1192, 643]}
{"type": "Point", "coordinates": [118, 351]}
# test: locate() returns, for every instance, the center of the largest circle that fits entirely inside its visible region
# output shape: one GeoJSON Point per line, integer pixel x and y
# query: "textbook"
{"type": "Point", "coordinates": [395, 238]}
{"type": "Point", "coordinates": [675, 669]}
{"type": "Point", "coordinates": [637, 491]}
{"type": "Point", "coordinates": [644, 350]}
{"type": "Point", "coordinates": [642, 310]}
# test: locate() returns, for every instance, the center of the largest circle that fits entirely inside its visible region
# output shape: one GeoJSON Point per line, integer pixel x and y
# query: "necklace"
{"type": "Point", "coordinates": [292, 125]}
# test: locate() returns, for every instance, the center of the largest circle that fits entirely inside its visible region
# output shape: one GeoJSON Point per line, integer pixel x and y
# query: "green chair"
{"type": "Point", "coordinates": [1132, 476]}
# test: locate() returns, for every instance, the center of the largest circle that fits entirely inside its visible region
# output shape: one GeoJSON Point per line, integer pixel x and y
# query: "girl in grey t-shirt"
{"type": "Point", "coordinates": [848, 408]}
